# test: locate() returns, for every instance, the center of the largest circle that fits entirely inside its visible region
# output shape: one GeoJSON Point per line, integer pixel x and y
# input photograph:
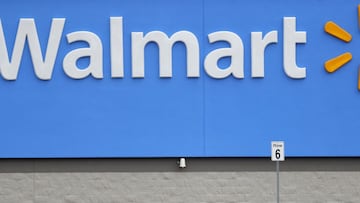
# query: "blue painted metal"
{"type": "Point", "coordinates": [180, 116]}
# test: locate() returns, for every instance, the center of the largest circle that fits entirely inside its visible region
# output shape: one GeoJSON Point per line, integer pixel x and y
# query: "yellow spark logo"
{"type": "Point", "coordinates": [337, 62]}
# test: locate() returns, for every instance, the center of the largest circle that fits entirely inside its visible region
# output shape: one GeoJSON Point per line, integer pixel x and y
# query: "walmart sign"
{"type": "Point", "coordinates": [178, 79]}
{"type": "Point", "coordinates": [43, 66]}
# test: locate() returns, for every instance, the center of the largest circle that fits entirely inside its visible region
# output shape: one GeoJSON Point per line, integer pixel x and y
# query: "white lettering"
{"type": "Point", "coordinates": [9, 68]}
{"type": "Point", "coordinates": [43, 66]}
{"type": "Point", "coordinates": [291, 38]}
{"type": "Point", "coordinates": [165, 52]}
{"type": "Point", "coordinates": [235, 51]}
{"type": "Point", "coordinates": [258, 45]}
{"type": "Point", "coordinates": [116, 47]}
{"type": "Point", "coordinates": [94, 52]}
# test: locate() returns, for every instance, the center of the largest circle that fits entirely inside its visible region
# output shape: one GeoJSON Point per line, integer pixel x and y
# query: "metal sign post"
{"type": "Point", "coordinates": [277, 181]}
{"type": "Point", "coordinates": [277, 155]}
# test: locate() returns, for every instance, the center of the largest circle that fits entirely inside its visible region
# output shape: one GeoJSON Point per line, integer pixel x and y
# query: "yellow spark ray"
{"type": "Point", "coordinates": [338, 32]}
{"type": "Point", "coordinates": [359, 79]}
{"type": "Point", "coordinates": [337, 62]}
{"type": "Point", "coordinates": [359, 15]}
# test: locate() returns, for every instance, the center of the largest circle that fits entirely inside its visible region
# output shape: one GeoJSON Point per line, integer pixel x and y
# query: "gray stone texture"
{"type": "Point", "coordinates": [46, 185]}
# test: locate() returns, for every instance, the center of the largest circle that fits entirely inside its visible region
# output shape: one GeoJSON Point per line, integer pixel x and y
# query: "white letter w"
{"type": "Point", "coordinates": [43, 68]}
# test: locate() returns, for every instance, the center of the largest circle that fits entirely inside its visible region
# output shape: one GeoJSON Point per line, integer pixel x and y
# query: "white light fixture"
{"type": "Point", "coordinates": [182, 163]}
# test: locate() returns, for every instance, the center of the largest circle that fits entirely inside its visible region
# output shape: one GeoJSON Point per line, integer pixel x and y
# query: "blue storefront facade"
{"type": "Point", "coordinates": [177, 79]}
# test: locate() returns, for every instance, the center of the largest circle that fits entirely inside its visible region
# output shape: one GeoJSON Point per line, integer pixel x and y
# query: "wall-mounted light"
{"type": "Point", "coordinates": [182, 163]}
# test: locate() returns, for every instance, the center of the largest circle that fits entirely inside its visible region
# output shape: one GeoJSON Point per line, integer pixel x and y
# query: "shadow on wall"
{"type": "Point", "coordinates": [171, 165]}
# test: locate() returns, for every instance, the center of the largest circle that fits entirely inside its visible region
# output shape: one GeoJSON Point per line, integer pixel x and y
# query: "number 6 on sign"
{"type": "Point", "coordinates": [277, 151]}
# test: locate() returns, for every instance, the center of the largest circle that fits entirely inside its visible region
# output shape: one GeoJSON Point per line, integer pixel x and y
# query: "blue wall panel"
{"type": "Point", "coordinates": [180, 116]}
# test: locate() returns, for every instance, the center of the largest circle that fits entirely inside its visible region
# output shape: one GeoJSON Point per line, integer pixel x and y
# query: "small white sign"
{"type": "Point", "coordinates": [277, 151]}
